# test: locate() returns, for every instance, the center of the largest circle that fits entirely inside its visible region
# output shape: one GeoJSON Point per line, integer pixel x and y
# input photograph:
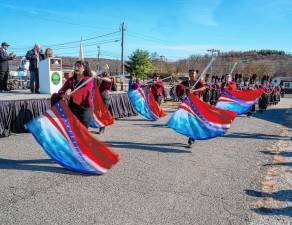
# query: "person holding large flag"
{"type": "Point", "coordinates": [228, 83]}
{"type": "Point", "coordinates": [197, 91]}
{"type": "Point", "coordinates": [105, 87]}
{"type": "Point", "coordinates": [81, 101]}
{"type": "Point", "coordinates": [157, 88]}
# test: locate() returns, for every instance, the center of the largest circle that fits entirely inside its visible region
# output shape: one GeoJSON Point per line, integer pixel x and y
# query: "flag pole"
{"type": "Point", "coordinates": [233, 68]}
{"type": "Point", "coordinates": [204, 72]}
{"type": "Point", "coordinates": [81, 55]}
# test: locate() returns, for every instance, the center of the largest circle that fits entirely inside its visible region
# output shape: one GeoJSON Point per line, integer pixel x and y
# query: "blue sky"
{"type": "Point", "coordinates": [172, 28]}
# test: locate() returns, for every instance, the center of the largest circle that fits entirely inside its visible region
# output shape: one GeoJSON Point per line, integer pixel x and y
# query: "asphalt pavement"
{"type": "Point", "coordinates": [157, 181]}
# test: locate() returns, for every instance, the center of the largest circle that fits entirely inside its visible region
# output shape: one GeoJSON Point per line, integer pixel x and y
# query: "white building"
{"type": "Point", "coordinates": [284, 82]}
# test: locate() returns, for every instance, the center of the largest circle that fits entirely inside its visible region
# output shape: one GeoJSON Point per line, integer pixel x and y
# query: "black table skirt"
{"type": "Point", "coordinates": [120, 106]}
{"type": "Point", "coordinates": [15, 113]}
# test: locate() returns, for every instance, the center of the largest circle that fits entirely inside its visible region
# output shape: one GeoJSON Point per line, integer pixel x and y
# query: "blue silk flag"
{"type": "Point", "coordinates": [199, 120]}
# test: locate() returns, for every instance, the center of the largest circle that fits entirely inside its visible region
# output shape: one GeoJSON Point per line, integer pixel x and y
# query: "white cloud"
{"type": "Point", "coordinates": [200, 11]}
{"type": "Point", "coordinates": [37, 11]}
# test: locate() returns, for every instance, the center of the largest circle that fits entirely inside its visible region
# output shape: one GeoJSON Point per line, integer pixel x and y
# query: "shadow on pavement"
{"type": "Point", "coordinates": [287, 211]}
{"type": "Point", "coordinates": [165, 148]}
{"type": "Point", "coordinates": [279, 164]}
{"type": "Point", "coordinates": [283, 153]}
{"type": "Point", "coordinates": [274, 116]}
{"type": "Point", "coordinates": [132, 119]}
{"type": "Point", "coordinates": [282, 195]}
{"type": "Point", "coordinates": [30, 165]}
{"type": "Point", "coordinates": [259, 136]}
{"type": "Point", "coordinates": [151, 125]}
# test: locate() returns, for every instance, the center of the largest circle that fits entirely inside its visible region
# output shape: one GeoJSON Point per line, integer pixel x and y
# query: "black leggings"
{"type": "Point", "coordinates": [83, 114]}
{"type": "Point", "coordinates": [106, 99]}
{"type": "Point", "coordinates": [158, 99]}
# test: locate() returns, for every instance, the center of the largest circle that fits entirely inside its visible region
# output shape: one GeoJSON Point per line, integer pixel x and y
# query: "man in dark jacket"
{"type": "Point", "coordinates": [34, 56]}
{"type": "Point", "coordinates": [4, 66]}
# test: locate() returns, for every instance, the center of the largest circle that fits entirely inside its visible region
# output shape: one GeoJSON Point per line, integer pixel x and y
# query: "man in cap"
{"type": "Point", "coordinates": [4, 65]}
{"type": "Point", "coordinates": [34, 56]}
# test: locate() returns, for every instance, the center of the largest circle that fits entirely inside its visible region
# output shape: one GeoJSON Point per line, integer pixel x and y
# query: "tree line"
{"type": "Point", "coordinates": [270, 63]}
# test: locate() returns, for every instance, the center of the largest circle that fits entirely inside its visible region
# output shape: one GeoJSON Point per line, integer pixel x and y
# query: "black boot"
{"type": "Point", "coordinates": [190, 143]}
{"type": "Point", "coordinates": [249, 114]}
{"type": "Point", "coordinates": [101, 130]}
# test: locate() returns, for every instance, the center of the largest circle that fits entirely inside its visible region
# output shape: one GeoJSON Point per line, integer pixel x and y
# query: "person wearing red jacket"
{"type": "Point", "coordinates": [229, 83]}
{"type": "Point", "coordinates": [105, 87]}
{"type": "Point", "coordinates": [197, 91]}
{"type": "Point", "coordinates": [157, 88]}
{"type": "Point", "coordinates": [188, 84]}
{"type": "Point", "coordinates": [81, 101]}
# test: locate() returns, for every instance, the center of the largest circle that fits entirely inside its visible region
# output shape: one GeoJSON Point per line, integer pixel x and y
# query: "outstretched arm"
{"type": "Point", "coordinates": [4, 57]}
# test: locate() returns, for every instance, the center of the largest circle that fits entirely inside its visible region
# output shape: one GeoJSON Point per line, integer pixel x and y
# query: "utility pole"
{"type": "Point", "coordinates": [161, 61]}
{"type": "Point", "coordinates": [98, 52]}
{"type": "Point", "coordinates": [122, 28]}
{"type": "Point", "coordinates": [98, 55]}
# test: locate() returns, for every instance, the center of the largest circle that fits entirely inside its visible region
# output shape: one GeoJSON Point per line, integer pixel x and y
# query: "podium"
{"type": "Point", "coordinates": [50, 75]}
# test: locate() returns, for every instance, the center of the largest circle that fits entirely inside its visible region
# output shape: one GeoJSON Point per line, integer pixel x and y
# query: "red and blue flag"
{"type": "Point", "coordinates": [101, 115]}
{"type": "Point", "coordinates": [240, 102]}
{"type": "Point", "coordinates": [143, 101]}
{"type": "Point", "coordinates": [199, 120]}
{"type": "Point", "coordinates": [67, 141]}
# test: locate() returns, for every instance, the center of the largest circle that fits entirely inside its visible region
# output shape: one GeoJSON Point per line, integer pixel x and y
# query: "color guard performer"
{"type": "Point", "coordinates": [105, 87]}
{"type": "Point", "coordinates": [197, 91]}
{"type": "Point", "coordinates": [80, 102]}
{"type": "Point", "coordinates": [157, 88]}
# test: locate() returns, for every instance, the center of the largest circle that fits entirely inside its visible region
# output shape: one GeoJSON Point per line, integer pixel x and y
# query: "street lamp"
{"type": "Point", "coordinates": [212, 54]}
{"type": "Point", "coordinates": [161, 60]}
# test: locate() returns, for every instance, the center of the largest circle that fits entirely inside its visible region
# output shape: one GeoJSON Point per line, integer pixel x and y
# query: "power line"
{"type": "Point", "coordinates": [87, 39]}
{"type": "Point", "coordinates": [67, 43]}
{"type": "Point", "coordinates": [87, 45]}
{"type": "Point", "coordinates": [102, 53]}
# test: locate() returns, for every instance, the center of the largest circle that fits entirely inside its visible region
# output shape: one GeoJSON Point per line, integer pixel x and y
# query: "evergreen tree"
{"type": "Point", "coordinates": [140, 64]}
